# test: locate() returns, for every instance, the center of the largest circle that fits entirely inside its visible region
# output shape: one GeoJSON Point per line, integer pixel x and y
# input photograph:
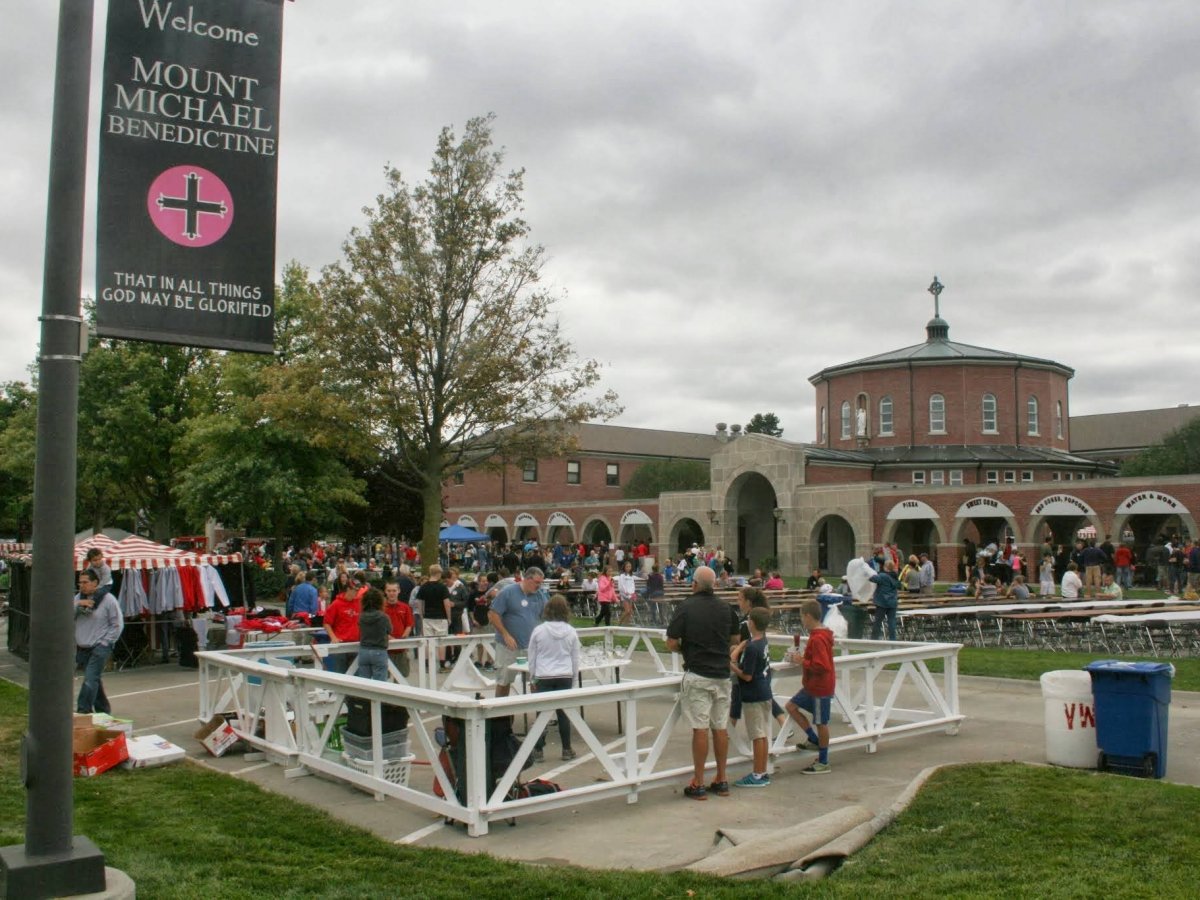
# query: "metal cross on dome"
{"type": "Point", "coordinates": [936, 289]}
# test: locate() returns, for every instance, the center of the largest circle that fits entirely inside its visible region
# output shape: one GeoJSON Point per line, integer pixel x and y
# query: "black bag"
{"type": "Point", "coordinates": [538, 787]}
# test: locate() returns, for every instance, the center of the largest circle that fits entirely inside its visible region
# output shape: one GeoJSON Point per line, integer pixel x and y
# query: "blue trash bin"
{"type": "Point", "coordinates": [1132, 701]}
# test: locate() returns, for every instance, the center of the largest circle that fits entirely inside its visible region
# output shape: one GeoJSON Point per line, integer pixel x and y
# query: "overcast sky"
{"type": "Point", "coordinates": [735, 196]}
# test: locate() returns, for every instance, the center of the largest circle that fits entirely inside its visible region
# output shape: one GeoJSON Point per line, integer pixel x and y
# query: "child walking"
{"type": "Point", "coordinates": [753, 670]}
{"type": "Point", "coordinates": [816, 694]}
{"type": "Point", "coordinates": [1046, 576]}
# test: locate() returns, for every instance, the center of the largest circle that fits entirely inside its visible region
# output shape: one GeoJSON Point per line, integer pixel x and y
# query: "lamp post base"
{"type": "Point", "coordinates": [78, 871]}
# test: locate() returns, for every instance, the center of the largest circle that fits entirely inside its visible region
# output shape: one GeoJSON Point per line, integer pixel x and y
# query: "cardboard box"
{"type": "Point", "coordinates": [112, 723]}
{"type": "Point", "coordinates": [151, 750]}
{"type": "Point", "coordinates": [97, 750]}
{"type": "Point", "coordinates": [217, 735]}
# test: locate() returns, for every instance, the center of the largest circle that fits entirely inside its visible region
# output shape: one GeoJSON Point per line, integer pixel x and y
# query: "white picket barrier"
{"type": "Point", "coordinates": [287, 713]}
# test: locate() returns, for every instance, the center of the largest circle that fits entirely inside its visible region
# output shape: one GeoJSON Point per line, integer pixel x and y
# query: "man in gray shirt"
{"type": "Point", "coordinates": [515, 612]}
{"type": "Point", "coordinates": [98, 625]}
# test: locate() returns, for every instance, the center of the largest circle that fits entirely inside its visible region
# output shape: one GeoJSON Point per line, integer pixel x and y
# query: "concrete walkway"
{"type": "Point", "coordinates": [663, 830]}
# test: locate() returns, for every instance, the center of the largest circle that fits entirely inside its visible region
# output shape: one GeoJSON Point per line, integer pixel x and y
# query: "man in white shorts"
{"type": "Point", "coordinates": [703, 629]}
{"type": "Point", "coordinates": [515, 612]}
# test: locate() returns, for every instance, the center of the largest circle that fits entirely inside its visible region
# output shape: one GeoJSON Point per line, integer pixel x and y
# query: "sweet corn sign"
{"type": "Point", "coordinates": [189, 149]}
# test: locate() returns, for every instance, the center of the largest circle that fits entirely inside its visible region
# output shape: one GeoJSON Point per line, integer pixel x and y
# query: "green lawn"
{"type": "Point", "coordinates": [975, 831]}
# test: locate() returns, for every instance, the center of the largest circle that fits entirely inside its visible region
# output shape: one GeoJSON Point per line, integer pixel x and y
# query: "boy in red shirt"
{"type": "Point", "coordinates": [341, 621]}
{"type": "Point", "coordinates": [816, 694]}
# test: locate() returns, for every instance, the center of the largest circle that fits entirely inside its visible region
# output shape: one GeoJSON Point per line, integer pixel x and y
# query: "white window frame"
{"type": "Point", "coordinates": [1026, 476]}
{"type": "Point", "coordinates": [529, 467]}
{"type": "Point", "coordinates": [886, 417]}
{"type": "Point", "coordinates": [956, 477]}
{"type": "Point", "coordinates": [1010, 476]}
{"type": "Point", "coordinates": [918, 476]}
{"type": "Point", "coordinates": [989, 400]}
{"type": "Point", "coordinates": [1031, 415]}
{"type": "Point", "coordinates": [1058, 419]}
{"type": "Point", "coordinates": [612, 474]}
{"type": "Point", "coordinates": [846, 420]}
{"type": "Point", "coordinates": [937, 477]}
{"type": "Point", "coordinates": [1056, 476]}
{"type": "Point", "coordinates": [824, 424]}
{"type": "Point", "coordinates": [991, 476]}
{"type": "Point", "coordinates": [577, 471]}
{"type": "Point", "coordinates": [937, 426]}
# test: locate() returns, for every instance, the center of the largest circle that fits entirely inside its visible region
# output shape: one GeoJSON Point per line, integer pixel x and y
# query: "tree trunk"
{"type": "Point", "coordinates": [431, 522]}
{"type": "Point", "coordinates": [160, 523]}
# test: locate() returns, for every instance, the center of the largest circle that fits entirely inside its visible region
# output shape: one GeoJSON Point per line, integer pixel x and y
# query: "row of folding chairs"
{"type": "Point", "coordinates": [1162, 639]}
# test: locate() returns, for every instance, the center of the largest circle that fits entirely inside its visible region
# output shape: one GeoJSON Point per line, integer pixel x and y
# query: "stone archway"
{"type": "Point", "coordinates": [753, 502]}
{"type": "Point", "coordinates": [560, 529]}
{"type": "Point", "coordinates": [913, 525]}
{"type": "Point", "coordinates": [496, 528]}
{"type": "Point", "coordinates": [1151, 513]}
{"type": "Point", "coordinates": [833, 544]}
{"type": "Point", "coordinates": [684, 533]}
{"type": "Point", "coordinates": [596, 531]}
{"type": "Point", "coordinates": [636, 527]}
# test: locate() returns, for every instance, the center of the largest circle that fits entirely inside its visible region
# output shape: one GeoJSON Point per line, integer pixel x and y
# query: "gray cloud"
{"type": "Point", "coordinates": [733, 198]}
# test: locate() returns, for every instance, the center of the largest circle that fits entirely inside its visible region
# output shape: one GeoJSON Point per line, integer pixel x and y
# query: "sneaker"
{"type": "Point", "coordinates": [696, 792]}
{"type": "Point", "coordinates": [569, 754]}
{"type": "Point", "coordinates": [720, 788]}
{"type": "Point", "coordinates": [817, 768]}
{"type": "Point", "coordinates": [752, 780]}
{"type": "Point", "coordinates": [807, 746]}
{"type": "Point", "coordinates": [539, 756]}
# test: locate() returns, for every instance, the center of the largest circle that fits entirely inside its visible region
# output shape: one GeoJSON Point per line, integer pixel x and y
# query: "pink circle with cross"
{"type": "Point", "coordinates": [190, 206]}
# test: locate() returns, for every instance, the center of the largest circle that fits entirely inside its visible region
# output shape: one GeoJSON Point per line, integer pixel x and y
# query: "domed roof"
{"type": "Point", "coordinates": [938, 349]}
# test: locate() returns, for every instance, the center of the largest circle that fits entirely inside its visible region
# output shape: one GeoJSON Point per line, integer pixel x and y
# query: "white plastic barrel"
{"type": "Point", "coordinates": [1070, 719]}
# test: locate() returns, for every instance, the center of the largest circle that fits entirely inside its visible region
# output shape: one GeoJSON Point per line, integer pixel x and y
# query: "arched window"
{"type": "Point", "coordinates": [989, 413]}
{"type": "Point", "coordinates": [845, 420]}
{"type": "Point", "coordinates": [885, 415]}
{"type": "Point", "coordinates": [1058, 423]}
{"type": "Point", "coordinates": [937, 414]}
{"type": "Point", "coordinates": [1031, 414]}
{"type": "Point", "coordinates": [824, 424]}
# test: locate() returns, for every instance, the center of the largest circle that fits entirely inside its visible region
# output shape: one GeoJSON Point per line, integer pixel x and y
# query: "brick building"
{"type": "Point", "coordinates": [925, 446]}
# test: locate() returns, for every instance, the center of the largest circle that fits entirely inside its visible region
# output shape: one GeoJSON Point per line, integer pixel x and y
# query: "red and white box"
{"type": "Point", "coordinates": [96, 750]}
{"type": "Point", "coordinates": [217, 735]}
{"type": "Point", "coordinates": [151, 750]}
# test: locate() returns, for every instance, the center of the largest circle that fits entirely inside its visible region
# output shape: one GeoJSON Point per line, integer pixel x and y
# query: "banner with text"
{"type": "Point", "coordinates": [189, 144]}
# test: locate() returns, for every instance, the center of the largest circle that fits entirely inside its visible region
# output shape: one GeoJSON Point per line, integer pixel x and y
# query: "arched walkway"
{"type": "Point", "coordinates": [636, 527]}
{"type": "Point", "coordinates": [833, 544]}
{"type": "Point", "coordinates": [753, 501]}
{"type": "Point", "coordinates": [596, 531]}
{"type": "Point", "coordinates": [684, 533]}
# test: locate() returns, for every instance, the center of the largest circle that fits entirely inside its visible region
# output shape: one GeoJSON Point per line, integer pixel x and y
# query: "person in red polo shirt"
{"type": "Point", "coordinates": [341, 621]}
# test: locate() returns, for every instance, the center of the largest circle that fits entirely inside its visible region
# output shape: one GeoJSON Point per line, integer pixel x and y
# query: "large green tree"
{"type": "Point", "coordinates": [276, 447]}
{"type": "Point", "coordinates": [658, 475]}
{"type": "Point", "coordinates": [18, 427]}
{"type": "Point", "coordinates": [764, 423]}
{"type": "Point", "coordinates": [440, 330]}
{"type": "Point", "coordinates": [1176, 454]}
{"type": "Point", "coordinates": [135, 400]}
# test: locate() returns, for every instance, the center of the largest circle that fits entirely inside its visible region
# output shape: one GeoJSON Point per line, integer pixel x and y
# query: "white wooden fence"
{"type": "Point", "coordinates": [288, 713]}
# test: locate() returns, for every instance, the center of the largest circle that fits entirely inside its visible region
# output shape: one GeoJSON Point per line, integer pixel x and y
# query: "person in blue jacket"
{"type": "Point", "coordinates": [886, 599]}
